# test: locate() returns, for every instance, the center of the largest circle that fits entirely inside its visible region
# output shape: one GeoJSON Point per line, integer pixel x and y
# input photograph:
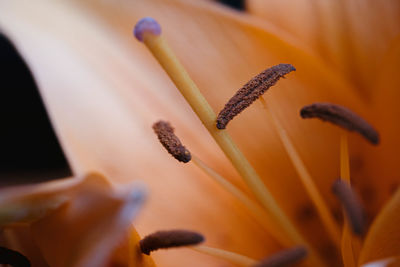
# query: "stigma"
{"type": "Point", "coordinates": [145, 26]}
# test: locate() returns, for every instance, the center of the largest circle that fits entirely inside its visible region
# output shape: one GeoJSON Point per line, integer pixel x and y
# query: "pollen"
{"type": "Point", "coordinates": [352, 206]}
{"type": "Point", "coordinates": [169, 239]}
{"type": "Point", "coordinates": [251, 91]}
{"type": "Point", "coordinates": [284, 258]}
{"type": "Point", "coordinates": [166, 136]}
{"type": "Point", "coordinates": [342, 117]}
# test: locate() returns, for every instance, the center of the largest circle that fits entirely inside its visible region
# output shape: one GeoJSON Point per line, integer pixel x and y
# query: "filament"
{"type": "Point", "coordinates": [255, 210]}
{"type": "Point", "coordinates": [305, 178]}
{"type": "Point", "coordinates": [232, 257]}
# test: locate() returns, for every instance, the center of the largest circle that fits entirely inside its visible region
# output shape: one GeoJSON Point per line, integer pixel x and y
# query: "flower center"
{"type": "Point", "coordinates": [269, 214]}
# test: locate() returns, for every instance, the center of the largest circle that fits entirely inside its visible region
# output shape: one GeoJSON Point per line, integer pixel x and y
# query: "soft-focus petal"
{"type": "Point", "coordinates": [388, 262]}
{"type": "Point", "coordinates": [351, 35]}
{"type": "Point", "coordinates": [29, 203]}
{"type": "Point", "coordinates": [382, 240]}
{"type": "Point", "coordinates": [73, 220]}
{"type": "Point", "coordinates": [87, 229]}
{"type": "Point", "coordinates": [381, 166]}
{"type": "Point", "coordinates": [103, 107]}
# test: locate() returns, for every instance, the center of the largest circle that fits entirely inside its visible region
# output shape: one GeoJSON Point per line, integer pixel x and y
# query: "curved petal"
{"type": "Point", "coordinates": [75, 222]}
{"type": "Point", "coordinates": [29, 203]}
{"type": "Point", "coordinates": [352, 35]}
{"type": "Point", "coordinates": [103, 92]}
{"type": "Point", "coordinates": [85, 231]}
{"type": "Point", "coordinates": [382, 240]}
{"type": "Point", "coordinates": [382, 263]}
{"type": "Point", "coordinates": [381, 164]}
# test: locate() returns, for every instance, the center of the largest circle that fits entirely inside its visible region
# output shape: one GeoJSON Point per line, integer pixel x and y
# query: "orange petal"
{"type": "Point", "coordinates": [103, 92]}
{"type": "Point", "coordinates": [380, 165]}
{"type": "Point", "coordinates": [31, 202]}
{"type": "Point", "coordinates": [388, 262]}
{"type": "Point", "coordinates": [351, 35]}
{"type": "Point", "coordinates": [85, 231]}
{"type": "Point", "coordinates": [382, 240]}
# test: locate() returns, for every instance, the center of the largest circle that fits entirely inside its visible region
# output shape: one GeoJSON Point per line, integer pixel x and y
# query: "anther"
{"type": "Point", "coordinates": [169, 239]}
{"type": "Point", "coordinates": [171, 142]}
{"type": "Point", "coordinates": [251, 91]}
{"type": "Point", "coordinates": [144, 26]}
{"type": "Point", "coordinates": [352, 206]}
{"type": "Point", "coordinates": [284, 258]}
{"type": "Point", "coordinates": [342, 117]}
{"type": "Point", "coordinates": [13, 258]}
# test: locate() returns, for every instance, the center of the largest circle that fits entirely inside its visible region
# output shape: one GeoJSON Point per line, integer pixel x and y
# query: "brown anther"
{"type": "Point", "coordinates": [171, 142]}
{"type": "Point", "coordinates": [342, 117]}
{"type": "Point", "coordinates": [352, 206]}
{"type": "Point", "coordinates": [250, 92]}
{"type": "Point", "coordinates": [169, 239]}
{"type": "Point", "coordinates": [13, 258]}
{"type": "Point", "coordinates": [284, 258]}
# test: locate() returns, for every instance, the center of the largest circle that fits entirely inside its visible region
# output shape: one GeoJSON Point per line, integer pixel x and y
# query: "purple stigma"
{"type": "Point", "coordinates": [144, 25]}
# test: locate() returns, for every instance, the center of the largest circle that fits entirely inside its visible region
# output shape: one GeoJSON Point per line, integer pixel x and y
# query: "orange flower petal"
{"type": "Point", "coordinates": [380, 164]}
{"type": "Point", "coordinates": [104, 91]}
{"type": "Point", "coordinates": [85, 231]}
{"type": "Point", "coordinates": [382, 240]}
{"type": "Point", "coordinates": [350, 35]}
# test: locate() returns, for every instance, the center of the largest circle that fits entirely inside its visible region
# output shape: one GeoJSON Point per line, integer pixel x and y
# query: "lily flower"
{"type": "Point", "coordinates": [103, 91]}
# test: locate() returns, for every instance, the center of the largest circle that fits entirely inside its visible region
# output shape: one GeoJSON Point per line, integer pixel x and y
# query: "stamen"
{"type": "Point", "coordinates": [344, 158]}
{"type": "Point", "coordinates": [352, 206]}
{"type": "Point", "coordinates": [230, 256]}
{"type": "Point", "coordinates": [251, 91]}
{"type": "Point", "coordinates": [350, 246]}
{"type": "Point", "coordinates": [284, 258]}
{"type": "Point", "coordinates": [167, 59]}
{"type": "Point", "coordinates": [146, 26]}
{"type": "Point", "coordinates": [305, 177]}
{"type": "Point", "coordinates": [254, 208]}
{"type": "Point", "coordinates": [257, 212]}
{"type": "Point", "coordinates": [13, 258]}
{"type": "Point", "coordinates": [342, 117]}
{"type": "Point", "coordinates": [171, 142]}
{"type": "Point", "coordinates": [169, 239]}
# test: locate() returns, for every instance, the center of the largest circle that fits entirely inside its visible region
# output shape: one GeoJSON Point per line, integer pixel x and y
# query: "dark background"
{"type": "Point", "coordinates": [29, 149]}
